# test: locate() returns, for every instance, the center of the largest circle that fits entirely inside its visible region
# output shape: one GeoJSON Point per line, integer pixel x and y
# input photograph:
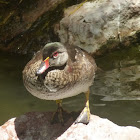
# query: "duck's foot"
{"type": "Point", "coordinates": [58, 116]}
{"type": "Point", "coordinates": [84, 116]}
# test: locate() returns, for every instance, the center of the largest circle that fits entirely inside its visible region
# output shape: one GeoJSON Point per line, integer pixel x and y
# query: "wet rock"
{"type": "Point", "coordinates": [26, 26]}
{"type": "Point", "coordinates": [101, 25]}
{"type": "Point", "coordinates": [36, 126]}
{"type": "Point", "coordinates": [19, 22]}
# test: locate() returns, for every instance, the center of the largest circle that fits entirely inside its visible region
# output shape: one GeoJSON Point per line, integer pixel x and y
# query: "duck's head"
{"type": "Point", "coordinates": [54, 55]}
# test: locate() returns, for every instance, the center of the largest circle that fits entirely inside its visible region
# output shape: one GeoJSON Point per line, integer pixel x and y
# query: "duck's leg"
{"type": "Point", "coordinates": [60, 111]}
{"type": "Point", "coordinates": [58, 116]}
{"type": "Point", "coordinates": [84, 117]}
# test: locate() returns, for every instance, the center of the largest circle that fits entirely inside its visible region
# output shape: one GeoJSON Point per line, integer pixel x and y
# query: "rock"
{"type": "Point", "coordinates": [26, 26]}
{"type": "Point", "coordinates": [36, 126]}
{"type": "Point", "coordinates": [33, 126]}
{"type": "Point", "coordinates": [100, 129]}
{"type": "Point", "coordinates": [19, 23]}
{"type": "Point", "coordinates": [96, 26]}
{"type": "Point", "coordinates": [101, 24]}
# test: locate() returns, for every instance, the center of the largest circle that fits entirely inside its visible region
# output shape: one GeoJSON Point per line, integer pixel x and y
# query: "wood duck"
{"type": "Point", "coordinates": [60, 71]}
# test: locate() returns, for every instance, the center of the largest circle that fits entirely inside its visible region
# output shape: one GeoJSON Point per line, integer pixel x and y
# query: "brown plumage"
{"type": "Point", "coordinates": [56, 82]}
{"type": "Point", "coordinates": [59, 71]}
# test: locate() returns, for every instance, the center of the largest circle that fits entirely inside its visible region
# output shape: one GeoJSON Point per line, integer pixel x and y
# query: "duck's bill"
{"type": "Point", "coordinates": [43, 67]}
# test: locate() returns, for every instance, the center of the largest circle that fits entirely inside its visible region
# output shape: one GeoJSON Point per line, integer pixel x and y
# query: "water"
{"type": "Point", "coordinates": [120, 75]}
{"type": "Point", "coordinates": [15, 100]}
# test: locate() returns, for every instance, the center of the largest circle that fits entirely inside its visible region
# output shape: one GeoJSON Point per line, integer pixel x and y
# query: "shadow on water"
{"type": "Point", "coordinates": [15, 100]}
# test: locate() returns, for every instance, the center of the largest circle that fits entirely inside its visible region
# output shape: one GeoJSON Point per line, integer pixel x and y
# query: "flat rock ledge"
{"type": "Point", "coordinates": [36, 126]}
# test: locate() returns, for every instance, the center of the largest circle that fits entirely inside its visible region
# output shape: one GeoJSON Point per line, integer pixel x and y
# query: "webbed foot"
{"type": "Point", "coordinates": [84, 116]}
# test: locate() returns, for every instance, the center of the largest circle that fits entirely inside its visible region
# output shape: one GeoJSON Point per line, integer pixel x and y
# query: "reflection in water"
{"type": "Point", "coordinates": [15, 100]}
{"type": "Point", "coordinates": [120, 78]}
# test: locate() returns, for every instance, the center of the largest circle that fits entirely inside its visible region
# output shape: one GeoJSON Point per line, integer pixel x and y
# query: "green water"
{"type": "Point", "coordinates": [15, 100]}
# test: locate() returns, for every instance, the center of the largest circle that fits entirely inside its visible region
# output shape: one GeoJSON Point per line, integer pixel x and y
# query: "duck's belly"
{"type": "Point", "coordinates": [62, 93]}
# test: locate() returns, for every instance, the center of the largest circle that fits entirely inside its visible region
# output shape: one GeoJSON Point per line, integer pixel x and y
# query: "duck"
{"type": "Point", "coordinates": [59, 71]}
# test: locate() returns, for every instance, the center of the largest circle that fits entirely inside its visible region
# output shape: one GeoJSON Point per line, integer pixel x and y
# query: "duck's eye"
{"type": "Point", "coordinates": [55, 54]}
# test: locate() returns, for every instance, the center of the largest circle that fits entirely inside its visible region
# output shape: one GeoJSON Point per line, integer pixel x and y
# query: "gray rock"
{"type": "Point", "coordinates": [101, 23]}
{"type": "Point", "coordinates": [36, 126]}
